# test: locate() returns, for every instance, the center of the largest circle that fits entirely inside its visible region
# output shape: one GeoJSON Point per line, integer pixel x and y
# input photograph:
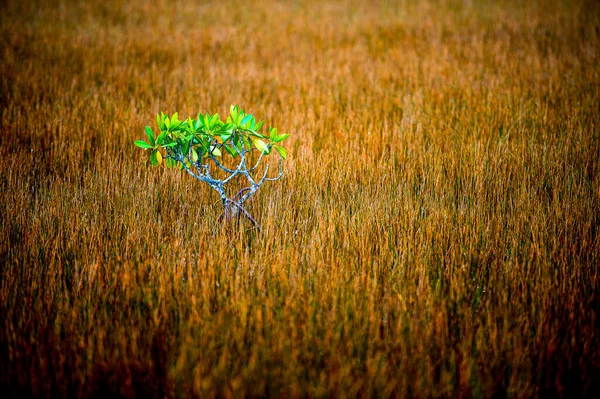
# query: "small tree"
{"type": "Point", "coordinates": [194, 145]}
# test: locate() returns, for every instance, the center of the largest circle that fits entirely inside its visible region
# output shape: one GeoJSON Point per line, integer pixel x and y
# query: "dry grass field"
{"type": "Point", "coordinates": [436, 233]}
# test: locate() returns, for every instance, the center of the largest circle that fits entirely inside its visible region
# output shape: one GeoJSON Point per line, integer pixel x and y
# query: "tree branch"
{"type": "Point", "coordinates": [203, 174]}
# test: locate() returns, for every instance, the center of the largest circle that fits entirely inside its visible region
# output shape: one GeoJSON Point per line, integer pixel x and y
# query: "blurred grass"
{"type": "Point", "coordinates": [435, 235]}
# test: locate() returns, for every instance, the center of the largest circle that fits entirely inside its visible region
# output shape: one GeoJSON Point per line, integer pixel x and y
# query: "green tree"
{"type": "Point", "coordinates": [196, 145]}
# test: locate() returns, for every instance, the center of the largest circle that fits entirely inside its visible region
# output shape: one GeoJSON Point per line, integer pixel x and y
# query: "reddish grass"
{"type": "Point", "coordinates": [435, 235]}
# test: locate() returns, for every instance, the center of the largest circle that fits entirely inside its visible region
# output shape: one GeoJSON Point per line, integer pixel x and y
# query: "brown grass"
{"type": "Point", "coordinates": [436, 233]}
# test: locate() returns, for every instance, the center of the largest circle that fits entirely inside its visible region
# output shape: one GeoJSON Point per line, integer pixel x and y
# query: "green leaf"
{"type": "Point", "coordinates": [173, 144]}
{"type": "Point", "coordinates": [255, 134]}
{"type": "Point", "coordinates": [225, 136]}
{"type": "Point", "coordinates": [215, 151]}
{"type": "Point", "coordinates": [246, 119]}
{"type": "Point", "coordinates": [272, 132]}
{"type": "Point", "coordinates": [231, 150]}
{"type": "Point", "coordinates": [194, 156]}
{"type": "Point", "coordinates": [258, 126]}
{"type": "Point", "coordinates": [233, 111]}
{"type": "Point", "coordinates": [258, 143]}
{"type": "Point", "coordinates": [153, 159]}
{"type": "Point", "coordinates": [281, 151]}
{"type": "Point", "coordinates": [175, 125]}
{"type": "Point", "coordinates": [160, 138]}
{"type": "Point", "coordinates": [142, 144]}
{"type": "Point", "coordinates": [204, 144]}
{"type": "Point", "coordinates": [150, 136]}
{"type": "Point", "coordinates": [237, 143]}
{"type": "Point", "coordinates": [213, 120]}
{"type": "Point", "coordinates": [280, 138]}
{"type": "Point", "coordinates": [185, 145]}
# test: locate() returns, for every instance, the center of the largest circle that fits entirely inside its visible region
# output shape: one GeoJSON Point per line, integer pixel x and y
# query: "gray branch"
{"type": "Point", "coordinates": [203, 174]}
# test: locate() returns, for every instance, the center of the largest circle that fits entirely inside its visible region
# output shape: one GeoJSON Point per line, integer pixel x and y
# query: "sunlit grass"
{"type": "Point", "coordinates": [435, 234]}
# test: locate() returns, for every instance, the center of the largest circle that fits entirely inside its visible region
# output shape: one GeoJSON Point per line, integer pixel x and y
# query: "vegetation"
{"type": "Point", "coordinates": [191, 145]}
{"type": "Point", "coordinates": [436, 233]}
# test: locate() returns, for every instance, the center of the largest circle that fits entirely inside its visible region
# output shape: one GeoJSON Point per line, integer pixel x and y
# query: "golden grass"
{"type": "Point", "coordinates": [436, 233]}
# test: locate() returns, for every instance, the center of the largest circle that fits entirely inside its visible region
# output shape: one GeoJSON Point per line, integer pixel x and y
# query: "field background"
{"type": "Point", "coordinates": [436, 233]}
